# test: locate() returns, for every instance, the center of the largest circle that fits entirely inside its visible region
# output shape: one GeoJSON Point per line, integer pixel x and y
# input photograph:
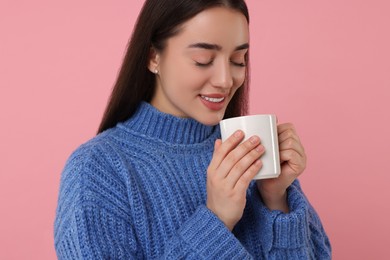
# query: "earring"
{"type": "Point", "coordinates": [155, 71]}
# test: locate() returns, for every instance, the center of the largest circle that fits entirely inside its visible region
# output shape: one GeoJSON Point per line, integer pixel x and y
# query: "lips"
{"type": "Point", "coordinates": [213, 102]}
{"type": "Point", "coordinates": [213, 99]}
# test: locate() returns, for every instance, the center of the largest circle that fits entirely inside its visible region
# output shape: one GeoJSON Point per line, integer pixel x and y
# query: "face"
{"type": "Point", "coordinates": [202, 66]}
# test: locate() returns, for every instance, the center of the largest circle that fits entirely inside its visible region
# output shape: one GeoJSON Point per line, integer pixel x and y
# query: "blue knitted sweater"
{"type": "Point", "coordinates": [138, 191]}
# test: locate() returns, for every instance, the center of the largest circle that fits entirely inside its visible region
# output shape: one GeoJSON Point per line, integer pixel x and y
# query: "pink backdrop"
{"type": "Point", "coordinates": [324, 65]}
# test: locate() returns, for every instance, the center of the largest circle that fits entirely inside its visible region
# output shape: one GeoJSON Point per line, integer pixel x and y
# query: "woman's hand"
{"type": "Point", "coordinates": [231, 169]}
{"type": "Point", "coordinates": [293, 163]}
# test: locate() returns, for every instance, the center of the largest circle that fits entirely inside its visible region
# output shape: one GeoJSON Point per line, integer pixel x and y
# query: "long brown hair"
{"type": "Point", "coordinates": [158, 21]}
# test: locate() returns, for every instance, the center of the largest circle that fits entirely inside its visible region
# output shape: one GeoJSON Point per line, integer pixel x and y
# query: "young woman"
{"type": "Point", "coordinates": [157, 182]}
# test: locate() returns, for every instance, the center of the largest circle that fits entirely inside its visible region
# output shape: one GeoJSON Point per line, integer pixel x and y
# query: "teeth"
{"type": "Point", "coordinates": [214, 100]}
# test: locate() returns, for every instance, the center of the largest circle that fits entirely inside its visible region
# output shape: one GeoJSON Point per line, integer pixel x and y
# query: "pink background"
{"type": "Point", "coordinates": [324, 65]}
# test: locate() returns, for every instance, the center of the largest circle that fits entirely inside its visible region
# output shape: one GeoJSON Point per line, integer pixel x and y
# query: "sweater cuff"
{"type": "Point", "coordinates": [291, 228]}
{"type": "Point", "coordinates": [280, 230]}
{"type": "Point", "coordinates": [206, 234]}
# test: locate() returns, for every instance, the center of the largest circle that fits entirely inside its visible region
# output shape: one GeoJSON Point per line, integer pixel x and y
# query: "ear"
{"type": "Point", "coordinates": [154, 58]}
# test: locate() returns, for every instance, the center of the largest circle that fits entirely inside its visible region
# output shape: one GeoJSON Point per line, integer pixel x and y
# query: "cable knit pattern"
{"type": "Point", "coordinates": [138, 191]}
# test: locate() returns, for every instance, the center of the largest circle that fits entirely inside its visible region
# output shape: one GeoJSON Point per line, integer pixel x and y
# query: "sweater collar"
{"type": "Point", "coordinates": [150, 122]}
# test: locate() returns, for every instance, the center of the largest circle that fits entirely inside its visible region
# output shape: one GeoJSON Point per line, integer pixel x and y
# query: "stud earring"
{"type": "Point", "coordinates": [155, 71]}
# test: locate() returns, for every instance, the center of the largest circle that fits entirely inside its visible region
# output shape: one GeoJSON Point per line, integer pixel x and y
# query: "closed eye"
{"type": "Point", "coordinates": [239, 64]}
{"type": "Point", "coordinates": [201, 64]}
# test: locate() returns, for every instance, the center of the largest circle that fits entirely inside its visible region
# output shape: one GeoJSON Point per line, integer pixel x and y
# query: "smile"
{"type": "Point", "coordinates": [214, 100]}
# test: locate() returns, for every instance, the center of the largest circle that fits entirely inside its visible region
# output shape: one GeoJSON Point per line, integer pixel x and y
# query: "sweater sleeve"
{"type": "Point", "coordinates": [204, 236]}
{"type": "Point", "coordinates": [298, 234]}
{"type": "Point", "coordinates": [92, 220]}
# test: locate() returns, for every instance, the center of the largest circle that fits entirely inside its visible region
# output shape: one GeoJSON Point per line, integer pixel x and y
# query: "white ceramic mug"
{"type": "Point", "coordinates": [263, 126]}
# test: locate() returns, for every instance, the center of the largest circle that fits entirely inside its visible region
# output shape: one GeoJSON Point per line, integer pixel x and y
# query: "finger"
{"type": "Point", "coordinates": [237, 154]}
{"type": "Point", "coordinates": [290, 169]}
{"type": "Point", "coordinates": [289, 139]}
{"type": "Point", "coordinates": [221, 149]}
{"type": "Point", "coordinates": [243, 165]}
{"type": "Point", "coordinates": [286, 131]}
{"type": "Point", "coordinates": [293, 159]}
{"type": "Point", "coordinates": [288, 155]}
{"type": "Point", "coordinates": [285, 126]}
{"type": "Point", "coordinates": [245, 179]}
{"type": "Point", "coordinates": [292, 144]}
{"type": "Point", "coordinates": [288, 134]}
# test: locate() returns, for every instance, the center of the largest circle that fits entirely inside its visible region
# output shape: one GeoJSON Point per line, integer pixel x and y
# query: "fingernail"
{"type": "Point", "coordinates": [238, 133]}
{"type": "Point", "coordinates": [260, 148]}
{"type": "Point", "coordinates": [254, 139]}
{"type": "Point", "coordinates": [258, 162]}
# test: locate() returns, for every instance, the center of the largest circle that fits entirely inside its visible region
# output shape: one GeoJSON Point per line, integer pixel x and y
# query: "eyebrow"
{"type": "Point", "coordinates": [208, 46]}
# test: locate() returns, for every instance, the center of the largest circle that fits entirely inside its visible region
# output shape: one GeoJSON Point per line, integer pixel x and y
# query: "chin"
{"type": "Point", "coordinates": [211, 120]}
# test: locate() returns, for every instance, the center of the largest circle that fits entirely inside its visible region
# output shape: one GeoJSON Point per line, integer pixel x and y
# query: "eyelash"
{"type": "Point", "coordinates": [211, 62]}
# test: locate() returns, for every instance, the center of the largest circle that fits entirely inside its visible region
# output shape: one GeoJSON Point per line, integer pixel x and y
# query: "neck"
{"type": "Point", "coordinates": [155, 124]}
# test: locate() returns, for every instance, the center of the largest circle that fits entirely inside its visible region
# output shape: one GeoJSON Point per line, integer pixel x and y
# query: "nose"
{"type": "Point", "coordinates": [222, 76]}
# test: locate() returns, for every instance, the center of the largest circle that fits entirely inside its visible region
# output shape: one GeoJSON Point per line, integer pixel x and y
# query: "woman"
{"type": "Point", "coordinates": [157, 182]}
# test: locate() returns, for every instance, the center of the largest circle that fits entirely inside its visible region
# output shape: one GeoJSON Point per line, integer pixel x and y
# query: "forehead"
{"type": "Point", "coordinates": [219, 25]}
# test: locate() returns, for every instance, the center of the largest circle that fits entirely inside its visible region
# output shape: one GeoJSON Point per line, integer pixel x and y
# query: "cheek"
{"type": "Point", "coordinates": [174, 76]}
{"type": "Point", "coordinates": [183, 81]}
{"type": "Point", "coordinates": [188, 79]}
{"type": "Point", "coordinates": [239, 78]}
{"type": "Point", "coordinates": [192, 78]}
{"type": "Point", "coordinates": [235, 90]}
